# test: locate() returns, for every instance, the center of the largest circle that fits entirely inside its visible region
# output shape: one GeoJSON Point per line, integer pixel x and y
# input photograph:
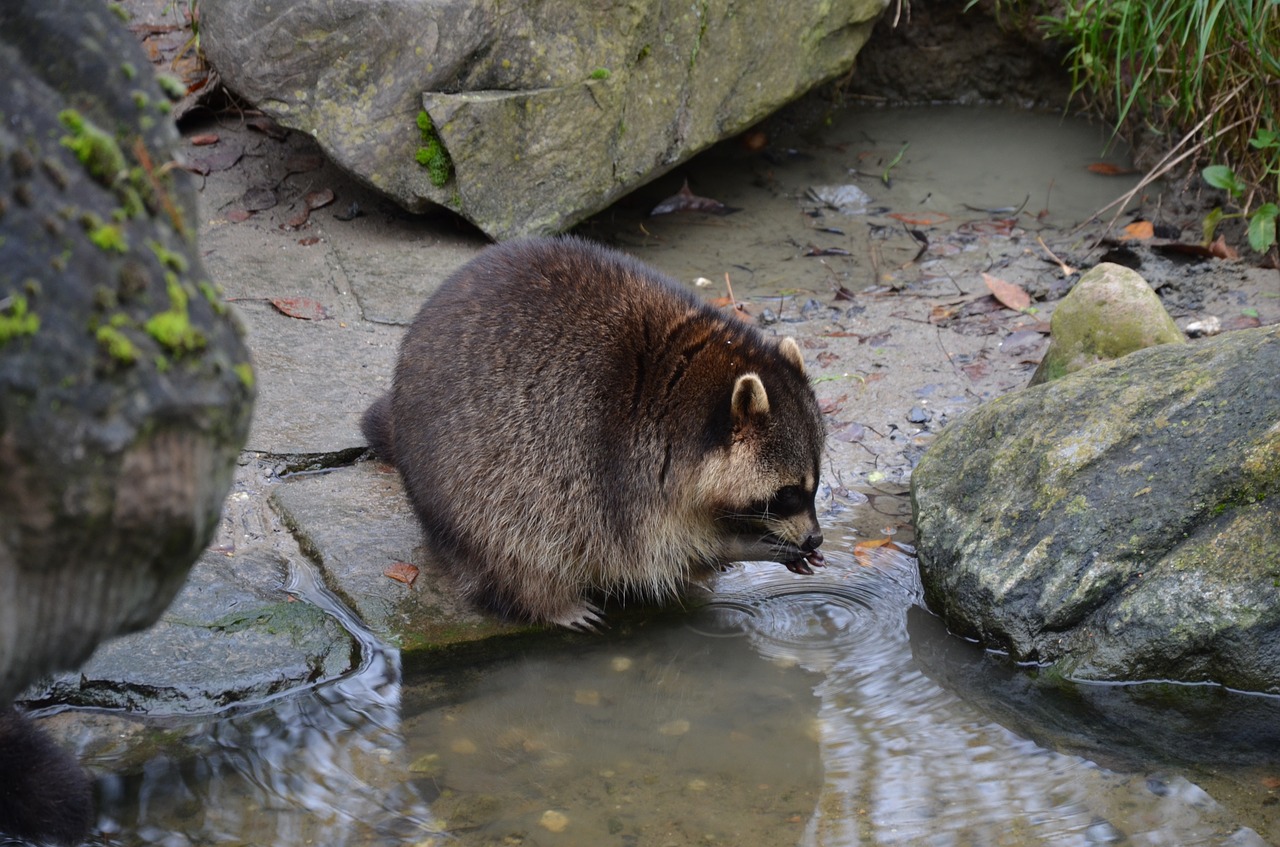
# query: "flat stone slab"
{"type": "Point", "coordinates": [355, 523]}
{"type": "Point", "coordinates": [232, 635]}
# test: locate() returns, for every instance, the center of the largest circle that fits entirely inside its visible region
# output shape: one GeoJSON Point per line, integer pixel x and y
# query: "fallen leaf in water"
{"type": "Point", "coordinates": [685, 200]}
{"type": "Point", "coordinates": [1012, 296]}
{"type": "Point", "coordinates": [1138, 230]}
{"type": "Point", "coordinates": [319, 199]}
{"type": "Point", "coordinates": [309, 240]}
{"type": "Point", "coordinates": [925, 219]}
{"type": "Point", "coordinates": [303, 308]}
{"type": "Point", "coordinates": [976, 370]}
{"type": "Point", "coordinates": [862, 550]}
{"type": "Point", "coordinates": [825, 251]}
{"type": "Point", "coordinates": [1108, 169]}
{"type": "Point", "coordinates": [942, 313]}
{"type": "Point", "coordinates": [203, 139]}
{"type": "Point", "coordinates": [826, 357]}
{"type": "Point", "coordinates": [402, 572]}
{"type": "Point", "coordinates": [237, 216]}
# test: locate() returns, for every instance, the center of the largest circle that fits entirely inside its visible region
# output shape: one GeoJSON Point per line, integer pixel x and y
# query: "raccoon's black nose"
{"type": "Point", "coordinates": [812, 541]}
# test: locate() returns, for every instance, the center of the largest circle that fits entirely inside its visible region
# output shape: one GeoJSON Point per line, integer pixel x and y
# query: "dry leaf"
{"type": "Point", "coordinates": [303, 308]}
{"type": "Point", "coordinates": [1108, 169]}
{"type": "Point", "coordinates": [319, 199]}
{"type": "Point", "coordinates": [402, 572]}
{"type": "Point", "coordinates": [203, 139]}
{"type": "Point", "coordinates": [1010, 295]}
{"type": "Point", "coordinates": [920, 220]}
{"type": "Point", "coordinates": [1140, 230]}
{"type": "Point", "coordinates": [1222, 250]}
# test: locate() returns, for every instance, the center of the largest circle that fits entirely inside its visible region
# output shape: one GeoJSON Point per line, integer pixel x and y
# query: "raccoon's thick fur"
{"type": "Point", "coordinates": [573, 426]}
{"type": "Point", "coordinates": [44, 795]}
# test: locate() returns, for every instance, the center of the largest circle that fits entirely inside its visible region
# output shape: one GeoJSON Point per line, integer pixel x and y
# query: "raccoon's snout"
{"type": "Point", "coordinates": [812, 541]}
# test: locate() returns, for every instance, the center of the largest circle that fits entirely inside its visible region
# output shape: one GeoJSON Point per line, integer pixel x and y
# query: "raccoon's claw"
{"type": "Point", "coordinates": [583, 618]}
{"type": "Point", "coordinates": [806, 564]}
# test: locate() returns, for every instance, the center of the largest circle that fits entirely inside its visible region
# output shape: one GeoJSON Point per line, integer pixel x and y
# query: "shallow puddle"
{"type": "Point", "coordinates": [954, 175]}
{"type": "Point", "coordinates": [824, 710]}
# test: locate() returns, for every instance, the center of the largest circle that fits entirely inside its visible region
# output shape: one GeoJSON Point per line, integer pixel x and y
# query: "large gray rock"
{"type": "Point", "coordinates": [1119, 523]}
{"type": "Point", "coordinates": [125, 388]}
{"type": "Point", "coordinates": [546, 112]}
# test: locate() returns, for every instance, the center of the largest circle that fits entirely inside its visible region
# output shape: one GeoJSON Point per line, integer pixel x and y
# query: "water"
{"type": "Point", "coordinates": [824, 710]}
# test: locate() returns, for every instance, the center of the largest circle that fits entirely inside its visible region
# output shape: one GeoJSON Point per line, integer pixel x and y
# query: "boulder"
{"type": "Point", "coordinates": [524, 117]}
{"type": "Point", "coordinates": [1120, 523]}
{"type": "Point", "coordinates": [1109, 313]}
{"type": "Point", "coordinates": [125, 387]}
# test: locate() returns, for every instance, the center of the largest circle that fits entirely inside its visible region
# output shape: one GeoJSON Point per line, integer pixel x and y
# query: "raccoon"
{"type": "Point", "coordinates": [44, 794]}
{"type": "Point", "coordinates": [572, 427]}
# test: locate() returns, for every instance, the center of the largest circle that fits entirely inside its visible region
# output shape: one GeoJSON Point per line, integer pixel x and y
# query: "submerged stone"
{"type": "Point", "coordinates": [1121, 523]}
{"type": "Point", "coordinates": [1110, 312]}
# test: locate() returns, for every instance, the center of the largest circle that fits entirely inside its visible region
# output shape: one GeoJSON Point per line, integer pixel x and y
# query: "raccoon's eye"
{"type": "Point", "coordinates": [788, 500]}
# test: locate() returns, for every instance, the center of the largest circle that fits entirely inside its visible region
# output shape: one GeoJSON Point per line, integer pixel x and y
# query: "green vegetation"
{"type": "Point", "coordinates": [600, 73]}
{"type": "Point", "coordinates": [15, 319]}
{"type": "Point", "coordinates": [432, 155]}
{"type": "Point", "coordinates": [94, 147]}
{"type": "Point", "coordinates": [1199, 74]}
{"type": "Point", "coordinates": [172, 328]}
{"type": "Point", "coordinates": [117, 344]}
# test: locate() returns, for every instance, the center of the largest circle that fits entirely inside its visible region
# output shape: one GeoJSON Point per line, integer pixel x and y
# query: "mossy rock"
{"type": "Point", "coordinates": [1120, 523]}
{"type": "Point", "coordinates": [123, 398]}
{"type": "Point", "coordinates": [1111, 312]}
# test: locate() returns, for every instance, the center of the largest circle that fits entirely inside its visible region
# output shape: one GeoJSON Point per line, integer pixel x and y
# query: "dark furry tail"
{"type": "Point", "coordinates": [376, 426]}
{"type": "Point", "coordinates": [44, 794]}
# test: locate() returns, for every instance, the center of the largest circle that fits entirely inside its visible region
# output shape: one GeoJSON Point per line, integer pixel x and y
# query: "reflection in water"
{"type": "Point", "coordinates": [907, 762]}
{"type": "Point", "coordinates": [322, 767]}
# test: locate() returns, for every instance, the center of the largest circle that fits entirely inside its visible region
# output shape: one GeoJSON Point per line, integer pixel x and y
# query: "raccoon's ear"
{"type": "Point", "coordinates": [791, 350]}
{"type": "Point", "coordinates": [750, 400]}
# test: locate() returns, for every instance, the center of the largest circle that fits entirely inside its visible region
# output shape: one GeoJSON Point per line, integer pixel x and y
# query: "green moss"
{"type": "Point", "coordinates": [244, 370]}
{"type": "Point", "coordinates": [123, 14]}
{"type": "Point", "coordinates": [600, 73]}
{"type": "Point", "coordinates": [432, 155]}
{"type": "Point", "coordinates": [117, 345]}
{"type": "Point", "coordinates": [171, 86]}
{"type": "Point", "coordinates": [16, 320]}
{"type": "Point", "coordinates": [128, 69]}
{"type": "Point", "coordinates": [213, 295]}
{"type": "Point", "coordinates": [94, 147]}
{"type": "Point", "coordinates": [172, 328]}
{"type": "Point", "coordinates": [172, 260]}
{"type": "Point", "coordinates": [109, 237]}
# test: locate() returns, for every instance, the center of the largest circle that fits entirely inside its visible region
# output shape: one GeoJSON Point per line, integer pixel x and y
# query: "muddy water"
{"type": "Point", "coordinates": [828, 710]}
{"type": "Point", "coordinates": [947, 168]}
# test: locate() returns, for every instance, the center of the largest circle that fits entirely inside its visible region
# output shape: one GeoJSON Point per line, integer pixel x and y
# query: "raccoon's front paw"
{"type": "Point", "coordinates": [806, 564]}
{"type": "Point", "coordinates": [584, 617]}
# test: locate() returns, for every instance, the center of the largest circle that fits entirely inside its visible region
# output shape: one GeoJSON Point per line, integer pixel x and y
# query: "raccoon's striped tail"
{"type": "Point", "coordinates": [376, 426]}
